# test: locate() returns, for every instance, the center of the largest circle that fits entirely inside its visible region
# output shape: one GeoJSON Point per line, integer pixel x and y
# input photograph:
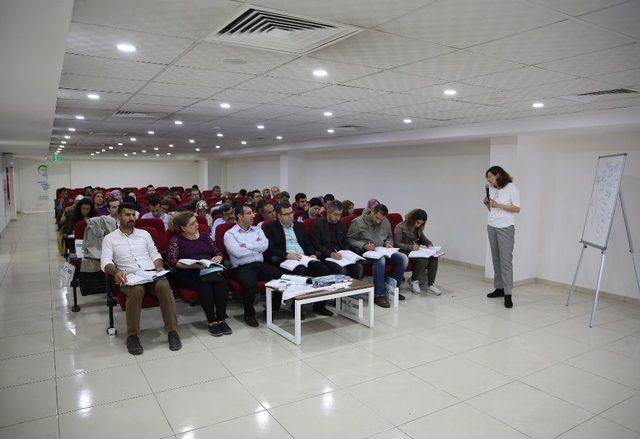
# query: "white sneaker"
{"type": "Point", "coordinates": [415, 287]}
{"type": "Point", "coordinates": [434, 290]}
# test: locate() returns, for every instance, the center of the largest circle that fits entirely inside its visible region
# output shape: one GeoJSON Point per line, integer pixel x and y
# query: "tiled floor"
{"type": "Point", "coordinates": [456, 366]}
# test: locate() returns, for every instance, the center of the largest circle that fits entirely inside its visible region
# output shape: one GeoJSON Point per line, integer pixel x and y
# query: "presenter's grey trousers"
{"type": "Point", "coordinates": [501, 242]}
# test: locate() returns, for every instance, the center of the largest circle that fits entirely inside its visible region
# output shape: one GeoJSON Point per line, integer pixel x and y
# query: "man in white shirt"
{"type": "Point", "coordinates": [155, 211]}
{"type": "Point", "coordinates": [245, 244]}
{"type": "Point", "coordinates": [125, 251]}
{"type": "Point", "coordinates": [227, 215]}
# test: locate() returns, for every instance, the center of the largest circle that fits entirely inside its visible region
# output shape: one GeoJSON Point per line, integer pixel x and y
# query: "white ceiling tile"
{"type": "Point", "coordinates": [223, 57]}
{"type": "Point", "coordinates": [331, 95]}
{"type": "Point", "coordinates": [201, 77]}
{"type": "Point", "coordinates": [577, 7]}
{"type": "Point", "coordinates": [245, 96]}
{"type": "Point", "coordinates": [625, 78]}
{"type": "Point", "coordinates": [195, 114]}
{"type": "Point", "coordinates": [278, 85]}
{"type": "Point", "coordinates": [458, 65]}
{"type": "Point", "coordinates": [186, 18]}
{"type": "Point", "coordinates": [264, 112]}
{"type": "Point", "coordinates": [436, 110]}
{"type": "Point", "coordinates": [555, 41]}
{"type": "Point", "coordinates": [86, 104]}
{"type": "Point", "coordinates": [623, 18]}
{"type": "Point", "coordinates": [151, 109]}
{"type": "Point", "coordinates": [364, 13]}
{"type": "Point", "coordinates": [161, 100]}
{"type": "Point", "coordinates": [213, 105]}
{"type": "Point", "coordinates": [109, 67]}
{"type": "Point", "coordinates": [65, 93]}
{"type": "Point", "coordinates": [89, 115]}
{"type": "Point", "coordinates": [463, 23]}
{"type": "Point", "coordinates": [302, 69]}
{"type": "Point", "coordinates": [394, 81]}
{"type": "Point", "coordinates": [462, 91]}
{"type": "Point", "coordinates": [380, 102]}
{"type": "Point", "coordinates": [91, 83]}
{"type": "Point", "coordinates": [178, 90]}
{"type": "Point", "coordinates": [518, 78]}
{"type": "Point", "coordinates": [599, 63]}
{"type": "Point", "coordinates": [380, 50]}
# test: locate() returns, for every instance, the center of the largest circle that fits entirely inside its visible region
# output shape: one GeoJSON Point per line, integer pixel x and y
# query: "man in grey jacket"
{"type": "Point", "coordinates": [371, 230]}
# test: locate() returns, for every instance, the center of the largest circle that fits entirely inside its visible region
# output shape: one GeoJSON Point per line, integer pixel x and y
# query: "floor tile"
{"type": "Point", "coordinates": [45, 428]}
{"type": "Point", "coordinates": [93, 357]}
{"type": "Point", "coordinates": [252, 356]}
{"type": "Point", "coordinates": [257, 426]}
{"type": "Point", "coordinates": [626, 413]}
{"type": "Point", "coordinates": [610, 365]}
{"type": "Point", "coordinates": [508, 359]}
{"type": "Point", "coordinates": [20, 345]}
{"type": "Point", "coordinates": [139, 418]}
{"type": "Point", "coordinates": [390, 434]}
{"type": "Point", "coordinates": [27, 402]}
{"type": "Point", "coordinates": [331, 415]}
{"type": "Point", "coordinates": [460, 421]}
{"type": "Point", "coordinates": [22, 370]}
{"type": "Point", "coordinates": [207, 403]}
{"type": "Point", "coordinates": [494, 326]}
{"type": "Point", "coordinates": [530, 411]}
{"type": "Point", "coordinates": [407, 351]}
{"type": "Point", "coordinates": [628, 346]}
{"type": "Point", "coordinates": [460, 377]}
{"type": "Point", "coordinates": [598, 428]}
{"type": "Point", "coordinates": [455, 338]}
{"type": "Point", "coordinates": [26, 325]}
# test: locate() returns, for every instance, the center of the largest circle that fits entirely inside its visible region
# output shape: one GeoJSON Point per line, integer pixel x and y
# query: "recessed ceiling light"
{"type": "Point", "coordinates": [151, 132]}
{"type": "Point", "coordinates": [197, 149]}
{"type": "Point", "coordinates": [243, 142]}
{"type": "Point", "coordinates": [55, 153]}
{"type": "Point", "coordinates": [537, 104]}
{"type": "Point", "coordinates": [331, 131]}
{"type": "Point", "coordinates": [279, 137]}
{"type": "Point", "coordinates": [119, 143]}
{"type": "Point", "coordinates": [61, 147]}
{"type": "Point", "coordinates": [144, 151]}
{"type": "Point", "coordinates": [260, 127]}
{"type": "Point", "coordinates": [71, 129]}
{"type": "Point", "coordinates": [134, 153]}
{"type": "Point", "coordinates": [177, 122]}
{"type": "Point", "coordinates": [126, 47]}
{"type": "Point", "coordinates": [217, 146]}
{"type": "Point", "coordinates": [91, 154]}
{"type": "Point", "coordinates": [133, 139]}
{"type": "Point", "coordinates": [110, 147]}
{"type": "Point", "coordinates": [407, 120]}
{"type": "Point", "coordinates": [97, 152]}
{"type": "Point", "coordinates": [63, 142]}
{"type": "Point", "coordinates": [171, 145]}
{"type": "Point", "coordinates": [192, 141]}
{"type": "Point", "coordinates": [157, 155]}
{"type": "Point", "coordinates": [449, 92]}
{"type": "Point", "coordinates": [93, 96]}
{"type": "Point", "coordinates": [320, 73]}
{"type": "Point", "coordinates": [104, 150]}
{"type": "Point", "coordinates": [225, 105]}
{"type": "Point", "coordinates": [67, 136]}
{"type": "Point", "coordinates": [126, 155]}
{"type": "Point", "coordinates": [168, 153]}
{"type": "Point", "coordinates": [220, 135]}
{"type": "Point", "coordinates": [79, 117]}
{"type": "Point", "coordinates": [328, 113]}
{"type": "Point", "coordinates": [155, 148]}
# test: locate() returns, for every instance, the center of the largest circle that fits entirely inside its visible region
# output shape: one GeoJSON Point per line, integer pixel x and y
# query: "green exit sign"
{"type": "Point", "coordinates": [56, 158]}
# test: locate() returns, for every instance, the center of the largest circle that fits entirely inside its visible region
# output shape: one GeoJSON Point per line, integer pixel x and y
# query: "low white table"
{"type": "Point", "coordinates": [357, 287]}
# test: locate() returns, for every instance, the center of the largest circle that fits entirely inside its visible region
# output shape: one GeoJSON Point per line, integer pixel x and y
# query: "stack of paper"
{"type": "Point", "coordinates": [380, 252]}
{"type": "Point", "coordinates": [348, 258]}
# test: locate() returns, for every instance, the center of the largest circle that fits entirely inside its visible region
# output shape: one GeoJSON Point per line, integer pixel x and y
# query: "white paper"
{"type": "Point", "coordinates": [78, 246]}
{"type": "Point", "coordinates": [144, 277]}
{"type": "Point", "coordinates": [380, 252]}
{"type": "Point", "coordinates": [291, 264]}
{"type": "Point", "coordinates": [348, 258]}
{"type": "Point", "coordinates": [207, 263]}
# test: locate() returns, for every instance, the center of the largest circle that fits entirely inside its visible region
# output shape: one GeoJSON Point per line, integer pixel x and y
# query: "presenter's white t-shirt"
{"type": "Point", "coordinates": [507, 195]}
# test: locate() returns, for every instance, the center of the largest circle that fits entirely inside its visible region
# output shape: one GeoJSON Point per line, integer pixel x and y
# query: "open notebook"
{"type": "Point", "coordinates": [427, 252]}
{"type": "Point", "coordinates": [291, 264]}
{"type": "Point", "coordinates": [380, 252]}
{"type": "Point", "coordinates": [144, 277]}
{"type": "Point", "coordinates": [348, 258]}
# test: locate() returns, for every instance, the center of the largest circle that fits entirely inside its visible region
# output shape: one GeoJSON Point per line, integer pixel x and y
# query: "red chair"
{"type": "Point", "coordinates": [308, 225]}
{"type": "Point", "coordinates": [266, 223]}
{"type": "Point", "coordinates": [78, 233]}
{"type": "Point", "coordinates": [394, 220]}
{"type": "Point", "coordinates": [346, 221]}
{"type": "Point", "coordinates": [155, 223]}
{"type": "Point", "coordinates": [297, 215]}
{"type": "Point", "coordinates": [202, 220]}
{"type": "Point", "coordinates": [358, 211]}
{"type": "Point", "coordinates": [257, 219]}
{"type": "Point", "coordinates": [206, 194]}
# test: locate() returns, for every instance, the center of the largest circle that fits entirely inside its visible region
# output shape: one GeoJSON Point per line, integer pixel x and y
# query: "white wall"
{"type": "Point", "coordinates": [30, 195]}
{"type": "Point", "coordinates": [251, 173]}
{"type": "Point", "coordinates": [568, 168]}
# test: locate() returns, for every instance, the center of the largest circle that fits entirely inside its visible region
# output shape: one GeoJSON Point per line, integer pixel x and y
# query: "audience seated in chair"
{"type": "Point", "coordinates": [301, 204]}
{"type": "Point", "coordinates": [151, 192]}
{"type": "Point", "coordinates": [156, 211]}
{"type": "Point", "coordinates": [408, 236]}
{"type": "Point", "coordinates": [313, 211]}
{"type": "Point", "coordinates": [287, 240]}
{"type": "Point", "coordinates": [125, 251]}
{"type": "Point", "coordinates": [347, 207]}
{"type": "Point", "coordinates": [372, 230]}
{"type": "Point", "coordinates": [266, 193]}
{"type": "Point", "coordinates": [202, 210]}
{"type": "Point", "coordinates": [245, 245]}
{"type": "Point", "coordinates": [227, 215]}
{"type": "Point", "coordinates": [267, 211]}
{"type": "Point", "coordinates": [212, 288]}
{"type": "Point", "coordinates": [99, 204]}
{"type": "Point", "coordinates": [329, 237]}
{"type": "Point", "coordinates": [82, 210]}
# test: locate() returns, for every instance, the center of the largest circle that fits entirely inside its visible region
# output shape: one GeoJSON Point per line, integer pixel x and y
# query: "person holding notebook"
{"type": "Point", "coordinates": [503, 203]}
{"type": "Point", "coordinates": [212, 288]}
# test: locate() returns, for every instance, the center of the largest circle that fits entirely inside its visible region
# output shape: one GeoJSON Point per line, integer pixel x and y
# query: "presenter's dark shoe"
{"type": "Point", "coordinates": [251, 321]}
{"type": "Point", "coordinates": [382, 302]}
{"type": "Point", "coordinates": [133, 345]}
{"type": "Point", "coordinates": [175, 344]}
{"type": "Point", "coordinates": [498, 292]}
{"type": "Point", "coordinates": [322, 311]}
{"type": "Point", "coordinates": [226, 329]}
{"type": "Point", "coordinates": [507, 301]}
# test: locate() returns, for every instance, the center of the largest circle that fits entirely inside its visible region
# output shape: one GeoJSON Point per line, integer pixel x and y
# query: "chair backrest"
{"type": "Point", "coordinates": [347, 221]}
{"type": "Point", "coordinates": [204, 228]}
{"type": "Point", "coordinates": [202, 219]}
{"type": "Point", "coordinates": [154, 235]}
{"type": "Point", "coordinates": [308, 225]}
{"type": "Point", "coordinates": [78, 232]}
{"type": "Point", "coordinates": [258, 218]}
{"type": "Point", "coordinates": [220, 231]}
{"type": "Point", "coordinates": [394, 220]}
{"type": "Point", "coordinates": [156, 223]}
{"type": "Point", "coordinates": [266, 223]}
{"type": "Point", "coordinates": [358, 211]}
{"type": "Point", "coordinates": [297, 215]}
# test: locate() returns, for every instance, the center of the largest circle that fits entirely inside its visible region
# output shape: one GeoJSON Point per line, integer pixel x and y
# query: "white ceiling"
{"type": "Point", "coordinates": [500, 55]}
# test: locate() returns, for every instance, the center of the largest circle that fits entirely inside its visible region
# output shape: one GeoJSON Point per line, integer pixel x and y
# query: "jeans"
{"type": "Point", "coordinates": [399, 262]}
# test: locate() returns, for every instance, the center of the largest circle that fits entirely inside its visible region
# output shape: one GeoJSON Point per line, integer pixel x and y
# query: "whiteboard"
{"type": "Point", "coordinates": [602, 204]}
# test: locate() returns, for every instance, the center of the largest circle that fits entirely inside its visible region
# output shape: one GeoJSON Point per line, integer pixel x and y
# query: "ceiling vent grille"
{"type": "Point", "coordinates": [261, 28]}
{"type": "Point", "coordinates": [133, 114]}
{"type": "Point", "coordinates": [615, 91]}
{"type": "Point", "coordinates": [594, 96]}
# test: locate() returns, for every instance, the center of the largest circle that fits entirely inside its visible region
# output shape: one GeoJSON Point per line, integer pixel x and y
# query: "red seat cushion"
{"type": "Point", "coordinates": [188, 295]}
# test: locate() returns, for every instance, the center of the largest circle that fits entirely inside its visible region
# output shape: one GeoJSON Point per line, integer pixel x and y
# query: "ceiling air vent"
{"type": "Point", "coordinates": [261, 28]}
{"type": "Point", "coordinates": [133, 114]}
{"type": "Point", "coordinates": [596, 95]}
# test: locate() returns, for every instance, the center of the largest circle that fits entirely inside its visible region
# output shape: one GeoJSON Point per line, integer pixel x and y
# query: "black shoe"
{"type": "Point", "coordinates": [174, 341]}
{"type": "Point", "coordinates": [507, 301]}
{"type": "Point", "coordinates": [251, 321]}
{"type": "Point", "coordinates": [322, 311]}
{"type": "Point", "coordinates": [226, 330]}
{"type": "Point", "coordinates": [382, 302]}
{"type": "Point", "coordinates": [498, 292]}
{"type": "Point", "coordinates": [401, 297]}
{"type": "Point", "coordinates": [133, 345]}
{"type": "Point", "coordinates": [215, 330]}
